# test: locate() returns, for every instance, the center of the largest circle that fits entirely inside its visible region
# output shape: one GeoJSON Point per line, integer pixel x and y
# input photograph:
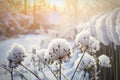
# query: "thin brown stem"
{"type": "Point", "coordinates": [60, 70]}
{"type": "Point", "coordinates": [84, 75]}
{"type": "Point", "coordinates": [31, 72]}
{"type": "Point", "coordinates": [77, 66]}
{"type": "Point", "coordinates": [11, 73]}
{"type": "Point", "coordinates": [65, 76]}
{"type": "Point", "coordinates": [51, 71]}
{"type": "Point", "coordinates": [5, 68]}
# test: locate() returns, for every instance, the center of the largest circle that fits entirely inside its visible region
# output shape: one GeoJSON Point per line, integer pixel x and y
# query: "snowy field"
{"type": "Point", "coordinates": [26, 40]}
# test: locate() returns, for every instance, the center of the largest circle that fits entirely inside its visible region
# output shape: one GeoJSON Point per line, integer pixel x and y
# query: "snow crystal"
{"type": "Point", "coordinates": [104, 61]}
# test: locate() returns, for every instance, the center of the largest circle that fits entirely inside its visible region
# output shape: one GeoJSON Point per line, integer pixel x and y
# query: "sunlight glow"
{"type": "Point", "coordinates": [56, 2]}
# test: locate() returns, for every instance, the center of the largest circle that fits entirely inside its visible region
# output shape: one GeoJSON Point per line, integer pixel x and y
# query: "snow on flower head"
{"type": "Point", "coordinates": [82, 39]}
{"type": "Point", "coordinates": [59, 49]}
{"type": "Point", "coordinates": [41, 53]}
{"type": "Point", "coordinates": [86, 62]}
{"type": "Point", "coordinates": [16, 54]}
{"type": "Point", "coordinates": [48, 58]}
{"type": "Point", "coordinates": [104, 61]}
{"type": "Point", "coordinates": [33, 49]}
{"type": "Point", "coordinates": [94, 45]}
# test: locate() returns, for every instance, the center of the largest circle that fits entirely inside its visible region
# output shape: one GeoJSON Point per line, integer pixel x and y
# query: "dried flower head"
{"type": "Point", "coordinates": [94, 44]}
{"type": "Point", "coordinates": [104, 61]}
{"type": "Point", "coordinates": [82, 40]}
{"type": "Point", "coordinates": [16, 54]}
{"type": "Point", "coordinates": [86, 62]}
{"type": "Point", "coordinates": [59, 49]}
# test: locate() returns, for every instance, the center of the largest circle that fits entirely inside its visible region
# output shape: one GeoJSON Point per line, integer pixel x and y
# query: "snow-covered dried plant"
{"type": "Point", "coordinates": [59, 49]}
{"type": "Point", "coordinates": [34, 57]}
{"type": "Point", "coordinates": [48, 58]}
{"type": "Point", "coordinates": [88, 45]}
{"type": "Point", "coordinates": [86, 62]}
{"type": "Point", "coordinates": [86, 42]}
{"type": "Point", "coordinates": [41, 55]}
{"type": "Point", "coordinates": [82, 40]}
{"type": "Point", "coordinates": [16, 55]}
{"type": "Point", "coordinates": [104, 61]}
{"type": "Point", "coordinates": [94, 45]}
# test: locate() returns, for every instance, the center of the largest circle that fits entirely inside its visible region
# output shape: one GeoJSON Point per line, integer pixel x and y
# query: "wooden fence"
{"type": "Point", "coordinates": [112, 73]}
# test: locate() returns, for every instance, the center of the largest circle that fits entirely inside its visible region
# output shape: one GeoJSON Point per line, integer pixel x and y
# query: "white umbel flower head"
{"type": "Point", "coordinates": [82, 39]}
{"type": "Point", "coordinates": [104, 61]}
{"type": "Point", "coordinates": [16, 54]}
{"type": "Point", "coordinates": [41, 54]}
{"type": "Point", "coordinates": [59, 49]}
{"type": "Point", "coordinates": [86, 62]}
{"type": "Point", "coordinates": [94, 44]}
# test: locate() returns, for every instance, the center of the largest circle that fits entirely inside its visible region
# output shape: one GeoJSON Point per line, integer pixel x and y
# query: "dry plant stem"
{"type": "Point", "coordinates": [65, 76]}
{"type": "Point", "coordinates": [5, 68]}
{"type": "Point", "coordinates": [48, 68]}
{"type": "Point", "coordinates": [77, 66]}
{"type": "Point", "coordinates": [23, 77]}
{"type": "Point", "coordinates": [51, 71]}
{"type": "Point", "coordinates": [60, 71]}
{"type": "Point", "coordinates": [95, 75]}
{"type": "Point", "coordinates": [31, 72]}
{"type": "Point", "coordinates": [84, 75]}
{"type": "Point", "coordinates": [11, 73]}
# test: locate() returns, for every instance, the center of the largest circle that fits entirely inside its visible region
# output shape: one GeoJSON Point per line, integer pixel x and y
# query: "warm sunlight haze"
{"type": "Point", "coordinates": [59, 39]}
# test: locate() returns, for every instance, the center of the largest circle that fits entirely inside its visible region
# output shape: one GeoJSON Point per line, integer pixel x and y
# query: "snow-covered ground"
{"type": "Point", "coordinates": [28, 41]}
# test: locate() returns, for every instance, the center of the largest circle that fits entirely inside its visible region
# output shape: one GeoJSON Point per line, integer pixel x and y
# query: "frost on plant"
{"type": "Point", "coordinates": [41, 53]}
{"type": "Point", "coordinates": [82, 40]}
{"type": "Point", "coordinates": [86, 62]}
{"type": "Point", "coordinates": [59, 49]}
{"type": "Point", "coordinates": [16, 55]}
{"type": "Point", "coordinates": [86, 42]}
{"type": "Point", "coordinates": [41, 57]}
{"type": "Point", "coordinates": [94, 45]}
{"type": "Point", "coordinates": [104, 61]}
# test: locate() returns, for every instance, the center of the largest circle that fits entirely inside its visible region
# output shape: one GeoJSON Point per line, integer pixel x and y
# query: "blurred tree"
{"type": "Point", "coordinates": [25, 6]}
